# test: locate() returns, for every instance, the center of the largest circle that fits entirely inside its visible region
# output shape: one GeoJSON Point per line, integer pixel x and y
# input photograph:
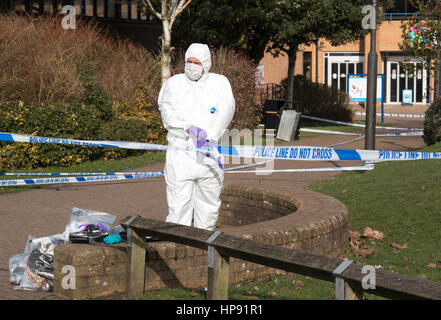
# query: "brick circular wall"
{"type": "Point", "coordinates": [242, 206]}
{"type": "Point", "coordinates": [307, 221]}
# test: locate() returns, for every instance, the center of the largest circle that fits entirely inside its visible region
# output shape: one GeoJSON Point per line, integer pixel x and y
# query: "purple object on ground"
{"type": "Point", "coordinates": [99, 225]}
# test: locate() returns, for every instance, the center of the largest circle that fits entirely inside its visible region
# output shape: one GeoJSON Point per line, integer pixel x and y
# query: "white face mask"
{"type": "Point", "coordinates": [193, 71]}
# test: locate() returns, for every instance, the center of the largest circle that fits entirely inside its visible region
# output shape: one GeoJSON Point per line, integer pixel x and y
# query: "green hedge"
{"type": "Point", "coordinates": [432, 123]}
{"type": "Point", "coordinates": [77, 121]}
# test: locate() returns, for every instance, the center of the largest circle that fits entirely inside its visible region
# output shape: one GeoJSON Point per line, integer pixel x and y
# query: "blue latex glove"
{"type": "Point", "coordinates": [113, 238]}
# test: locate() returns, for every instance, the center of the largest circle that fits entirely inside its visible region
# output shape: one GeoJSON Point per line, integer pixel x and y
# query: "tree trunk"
{"type": "Point", "coordinates": [289, 94]}
{"type": "Point", "coordinates": [166, 51]}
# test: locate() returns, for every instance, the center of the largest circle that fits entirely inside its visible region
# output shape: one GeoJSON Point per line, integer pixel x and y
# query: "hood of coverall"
{"type": "Point", "coordinates": [202, 53]}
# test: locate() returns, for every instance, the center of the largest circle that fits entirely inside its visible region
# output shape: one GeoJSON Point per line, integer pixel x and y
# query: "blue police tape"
{"type": "Point", "coordinates": [356, 124]}
{"type": "Point", "coordinates": [306, 153]}
{"type": "Point", "coordinates": [107, 173]}
{"type": "Point", "coordinates": [66, 180]}
{"type": "Point", "coordinates": [396, 115]}
{"type": "Point", "coordinates": [24, 182]}
{"type": "Point", "coordinates": [73, 173]}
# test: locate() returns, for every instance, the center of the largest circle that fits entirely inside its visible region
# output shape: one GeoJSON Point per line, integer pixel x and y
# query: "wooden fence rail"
{"type": "Point", "coordinates": [387, 284]}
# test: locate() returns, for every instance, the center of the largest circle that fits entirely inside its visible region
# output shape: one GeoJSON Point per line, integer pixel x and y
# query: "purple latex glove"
{"type": "Point", "coordinates": [99, 225]}
{"type": "Point", "coordinates": [208, 143]}
{"type": "Point", "coordinates": [197, 132]}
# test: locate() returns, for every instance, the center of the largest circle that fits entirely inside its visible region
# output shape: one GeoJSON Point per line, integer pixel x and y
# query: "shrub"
{"type": "Point", "coordinates": [432, 123]}
{"type": "Point", "coordinates": [42, 63]}
{"type": "Point", "coordinates": [61, 121]}
{"type": "Point", "coordinates": [320, 100]}
{"type": "Point", "coordinates": [240, 71]}
{"type": "Point", "coordinates": [73, 122]}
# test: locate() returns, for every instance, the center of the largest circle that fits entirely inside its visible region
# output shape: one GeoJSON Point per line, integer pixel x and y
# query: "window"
{"type": "Point", "coordinates": [401, 6]}
{"type": "Point", "coordinates": [307, 63]}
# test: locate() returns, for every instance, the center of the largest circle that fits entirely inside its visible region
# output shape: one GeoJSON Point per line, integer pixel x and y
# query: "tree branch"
{"type": "Point", "coordinates": [181, 7]}
{"type": "Point", "coordinates": [152, 9]}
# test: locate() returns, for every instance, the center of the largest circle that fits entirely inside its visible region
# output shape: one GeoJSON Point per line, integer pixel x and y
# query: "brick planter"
{"type": "Point", "coordinates": [307, 221]}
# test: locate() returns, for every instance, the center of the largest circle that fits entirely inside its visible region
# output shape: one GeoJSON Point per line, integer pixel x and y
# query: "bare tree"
{"type": "Point", "coordinates": [170, 9]}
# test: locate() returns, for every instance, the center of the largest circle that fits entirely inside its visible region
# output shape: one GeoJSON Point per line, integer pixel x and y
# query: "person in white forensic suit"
{"type": "Point", "coordinates": [196, 108]}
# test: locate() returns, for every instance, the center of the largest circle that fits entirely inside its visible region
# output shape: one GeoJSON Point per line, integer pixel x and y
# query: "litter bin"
{"type": "Point", "coordinates": [271, 113]}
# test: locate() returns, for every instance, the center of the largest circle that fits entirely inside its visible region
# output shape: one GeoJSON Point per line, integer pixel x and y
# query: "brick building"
{"type": "Point", "coordinates": [122, 17]}
{"type": "Point", "coordinates": [331, 65]}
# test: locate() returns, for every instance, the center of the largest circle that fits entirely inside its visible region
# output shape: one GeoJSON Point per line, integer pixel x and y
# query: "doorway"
{"type": "Point", "coordinates": [412, 77]}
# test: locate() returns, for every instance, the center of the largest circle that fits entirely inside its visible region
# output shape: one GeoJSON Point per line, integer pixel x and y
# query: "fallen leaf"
{"type": "Point", "coordinates": [398, 246]}
{"type": "Point", "coordinates": [298, 283]}
{"type": "Point", "coordinates": [373, 234]}
{"type": "Point", "coordinates": [395, 251]}
{"type": "Point", "coordinates": [431, 265]}
{"type": "Point", "coordinates": [193, 294]}
{"type": "Point", "coordinates": [344, 191]}
{"type": "Point", "coordinates": [366, 252]}
{"type": "Point", "coordinates": [405, 258]}
{"type": "Point", "coordinates": [251, 298]}
{"type": "Point", "coordinates": [272, 293]}
{"type": "Point", "coordinates": [412, 233]}
{"type": "Point", "coordinates": [354, 235]}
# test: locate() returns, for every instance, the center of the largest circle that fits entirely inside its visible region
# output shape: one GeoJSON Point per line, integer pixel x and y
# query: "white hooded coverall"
{"type": "Point", "coordinates": [193, 180]}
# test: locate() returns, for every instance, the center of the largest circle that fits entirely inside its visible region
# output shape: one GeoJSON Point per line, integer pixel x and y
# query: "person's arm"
{"type": "Point", "coordinates": [226, 107]}
{"type": "Point", "coordinates": [172, 115]}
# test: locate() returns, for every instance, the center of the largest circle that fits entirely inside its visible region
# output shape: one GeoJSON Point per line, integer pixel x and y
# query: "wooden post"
{"type": "Point", "coordinates": [218, 277]}
{"type": "Point", "coordinates": [351, 294]}
{"type": "Point", "coordinates": [136, 272]}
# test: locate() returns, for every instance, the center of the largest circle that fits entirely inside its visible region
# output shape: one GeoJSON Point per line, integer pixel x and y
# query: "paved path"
{"type": "Point", "coordinates": [46, 211]}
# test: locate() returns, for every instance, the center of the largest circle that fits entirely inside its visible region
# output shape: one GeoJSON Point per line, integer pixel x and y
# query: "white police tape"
{"type": "Point", "coordinates": [24, 182]}
{"type": "Point", "coordinates": [413, 133]}
{"type": "Point", "coordinates": [356, 168]}
{"type": "Point", "coordinates": [329, 132]}
{"type": "Point", "coordinates": [356, 124]}
{"type": "Point", "coordinates": [396, 115]}
{"type": "Point", "coordinates": [305, 153]}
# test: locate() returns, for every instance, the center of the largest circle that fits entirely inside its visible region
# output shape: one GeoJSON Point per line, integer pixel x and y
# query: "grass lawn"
{"type": "Point", "coordinates": [400, 199]}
